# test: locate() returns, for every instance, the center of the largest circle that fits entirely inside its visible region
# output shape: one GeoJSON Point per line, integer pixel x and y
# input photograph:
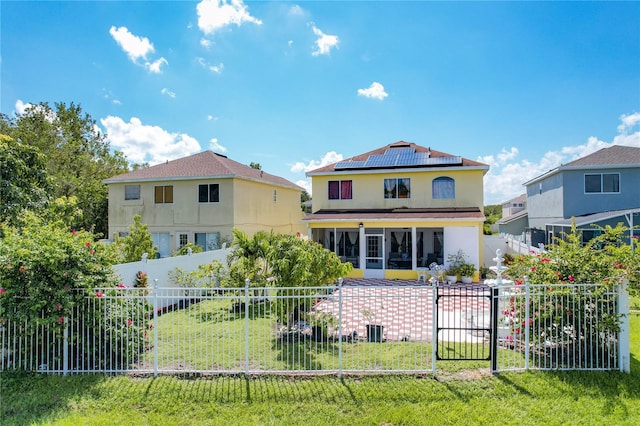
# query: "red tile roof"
{"type": "Point", "coordinates": [204, 165]}
{"type": "Point", "coordinates": [379, 151]}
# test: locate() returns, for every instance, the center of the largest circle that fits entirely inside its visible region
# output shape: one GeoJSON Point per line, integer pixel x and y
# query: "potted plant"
{"type": "Point", "coordinates": [451, 274]}
{"type": "Point", "coordinates": [374, 331]}
{"type": "Point", "coordinates": [323, 325]}
{"type": "Point", "coordinates": [467, 271]}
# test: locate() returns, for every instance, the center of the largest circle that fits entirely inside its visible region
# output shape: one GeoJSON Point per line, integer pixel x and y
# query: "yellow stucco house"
{"type": "Point", "coordinates": [398, 208]}
{"type": "Point", "coordinates": [200, 199]}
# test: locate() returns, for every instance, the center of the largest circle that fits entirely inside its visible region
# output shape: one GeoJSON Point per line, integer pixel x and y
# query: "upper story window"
{"type": "Point", "coordinates": [340, 190]}
{"type": "Point", "coordinates": [163, 194]}
{"type": "Point", "coordinates": [397, 188]}
{"type": "Point", "coordinates": [132, 192]}
{"type": "Point", "coordinates": [209, 193]}
{"type": "Point", "coordinates": [601, 182]}
{"type": "Point", "coordinates": [443, 187]}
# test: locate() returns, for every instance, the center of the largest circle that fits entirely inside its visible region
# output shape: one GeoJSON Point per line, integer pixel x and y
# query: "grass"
{"type": "Point", "coordinates": [458, 395]}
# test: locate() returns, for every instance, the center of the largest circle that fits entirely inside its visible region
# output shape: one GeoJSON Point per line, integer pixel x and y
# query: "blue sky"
{"type": "Point", "coordinates": [522, 86]}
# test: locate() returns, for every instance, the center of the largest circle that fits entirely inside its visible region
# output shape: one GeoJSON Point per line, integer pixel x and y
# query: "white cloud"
{"type": "Point", "coordinates": [154, 66]}
{"type": "Point", "coordinates": [211, 117]}
{"type": "Point", "coordinates": [134, 46]}
{"type": "Point", "coordinates": [168, 92]}
{"type": "Point", "coordinates": [296, 10]}
{"type": "Point", "coordinates": [324, 42]}
{"type": "Point", "coordinates": [215, 146]}
{"type": "Point", "coordinates": [305, 184]}
{"type": "Point", "coordinates": [214, 15]}
{"type": "Point", "coordinates": [628, 121]}
{"type": "Point", "coordinates": [145, 143]}
{"type": "Point", "coordinates": [375, 91]}
{"type": "Point", "coordinates": [23, 108]}
{"type": "Point", "coordinates": [507, 174]}
{"type": "Point", "coordinates": [205, 43]}
{"type": "Point", "coordinates": [329, 158]}
{"type": "Point", "coordinates": [213, 68]}
{"type": "Point", "coordinates": [217, 68]}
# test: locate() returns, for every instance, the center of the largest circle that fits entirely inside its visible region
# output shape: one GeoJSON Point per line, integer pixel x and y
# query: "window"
{"type": "Point", "coordinates": [132, 192]}
{"type": "Point", "coordinates": [340, 190]}
{"type": "Point", "coordinates": [208, 241]}
{"type": "Point", "coordinates": [163, 194]}
{"type": "Point", "coordinates": [209, 193]}
{"type": "Point", "coordinates": [275, 195]}
{"type": "Point", "coordinates": [602, 182]}
{"type": "Point", "coordinates": [397, 188]}
{"type": "Point", "coordinates": [443, 188]}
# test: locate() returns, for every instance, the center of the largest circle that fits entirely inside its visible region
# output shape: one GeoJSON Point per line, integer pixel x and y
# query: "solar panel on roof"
{"type": "Point", "coordinates": [349, 165]}
{"type": "Point", "coordinates": [400, 151]}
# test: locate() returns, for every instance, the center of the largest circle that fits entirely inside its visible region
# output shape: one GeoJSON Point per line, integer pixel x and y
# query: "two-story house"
{"type": "Point", "coordinates": [602, 188]}
{"type": "Point", "coordinates": [398, 208]}
{"type": "Point", "coordinates": [200, 199]}
{"type": "Point", "coordinates": [514, 216]}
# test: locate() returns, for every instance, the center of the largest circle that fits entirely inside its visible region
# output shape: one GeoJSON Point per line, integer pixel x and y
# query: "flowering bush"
{"type": "Point", "coordinates": [48, 276]}
{"type": "Point", "coordinates": [563, 315]}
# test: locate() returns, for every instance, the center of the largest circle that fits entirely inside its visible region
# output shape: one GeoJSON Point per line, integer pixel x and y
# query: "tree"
{"type": "Point", "coordinates": [53, 279]}
{"type": "Point", "coordinates": [138, 242]}
{"type": "Point", "coordinates": [255, 165]}
{"type": "Point", "coordinates": [24, 183]}
{"type": "Point", "coordinates": [77, 156]}
{"type": "Point", "coordinates": [283, 260]}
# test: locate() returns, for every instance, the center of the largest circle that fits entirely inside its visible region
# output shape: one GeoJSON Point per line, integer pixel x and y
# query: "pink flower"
{"type": "Point", "coordinates": [571, 278]}
{"type": "Point", "coordinates": [92, 251]}
{"type": "Point", "coordinates": [129, 322]}
{"type": "Point", "coordinates": [22, 269]}
{"type": "Point", "coordinates": [533, 269]}
{"type": "Point", "coordinates": [87, 244]}
{"type": "Point", "coordinates": [99, 294]}
{"type": "Point", "coordinates": [58, 307]}
{"type": "Point", "coordinates": [545, 260]}
{"type": "Point", "coordinates": [519, 281]}
{"type": "Point", "coordinates": [60, 320]}
{"type": "Point", "coordinates": [74, 232]}
{"type": "Point", "coordinates": [122, 285]}
{"type": "Point", "coordinates": [3, 290]}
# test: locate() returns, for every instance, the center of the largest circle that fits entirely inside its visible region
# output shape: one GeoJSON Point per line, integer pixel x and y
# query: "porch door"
{"type": "Point", "coordinates": [374, 260]}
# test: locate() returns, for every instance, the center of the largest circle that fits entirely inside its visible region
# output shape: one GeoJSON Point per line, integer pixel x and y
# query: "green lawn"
{"type": "Point", "coordinates": [456, 396]}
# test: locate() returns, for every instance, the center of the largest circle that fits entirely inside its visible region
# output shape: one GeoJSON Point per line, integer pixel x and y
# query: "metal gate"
{"type": "Point", "coordinates": [463, 322]}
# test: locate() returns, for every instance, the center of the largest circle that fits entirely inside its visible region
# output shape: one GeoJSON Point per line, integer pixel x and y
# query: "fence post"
{"type": "Point", "coordinates": [624, 351]}
{"type": "Point", "coordinates": [155, 327]}
{"type": "Point", "coordinates": [527, 318]}
{"type": "Point", "coordinates": [495, 307]}
{"type": "Point", "coordinates": [340, 327]}
{"type": "Point", "coordinates": [65, 348]}
{"type": "Point", "coordinates": [246, 325]}
{"type": "Point", "coordinates": [434, 326]}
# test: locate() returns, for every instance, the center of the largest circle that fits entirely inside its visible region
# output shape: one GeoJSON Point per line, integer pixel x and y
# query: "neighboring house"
{"type": "Point", "coordinates": [514, 216]}
{"type": "Point", "coordinates": [601, 188]}
{"type": "Point", "coordinates": [398, 208]}
{"type": "Point", "coordinates": [200, 199]}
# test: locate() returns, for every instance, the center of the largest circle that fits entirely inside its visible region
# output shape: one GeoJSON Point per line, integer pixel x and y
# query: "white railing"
{"type": "Point", "coordinates": [561, 327]}
{"type": "Point", "coordinates": [346, 328]}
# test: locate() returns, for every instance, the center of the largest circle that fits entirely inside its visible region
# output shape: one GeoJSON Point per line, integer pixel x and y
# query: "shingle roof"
{"type": "Point", "coordinates": [379, 151]}
{"type": "Point", "coordinates": [206, 164]}
{"type": "Point", "coordinates": [614, 155]}
{"type": "Point", "coordinates": [519, 199]}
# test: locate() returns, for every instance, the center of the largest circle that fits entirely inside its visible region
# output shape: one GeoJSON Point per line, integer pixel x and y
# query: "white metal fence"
{"type": "Point", "coordinates": [355, 327]}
